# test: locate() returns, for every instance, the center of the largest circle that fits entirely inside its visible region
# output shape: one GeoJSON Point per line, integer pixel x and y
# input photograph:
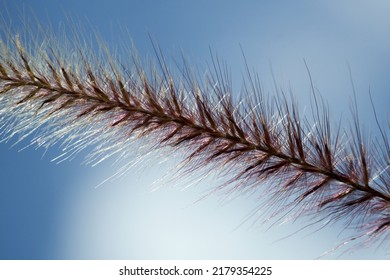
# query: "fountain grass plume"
{"type": "Point", "coordinates": [60, 90]}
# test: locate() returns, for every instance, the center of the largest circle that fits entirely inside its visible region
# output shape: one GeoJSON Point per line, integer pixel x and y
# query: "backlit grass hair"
{"type": "Point", "coordinates": [58, 90]}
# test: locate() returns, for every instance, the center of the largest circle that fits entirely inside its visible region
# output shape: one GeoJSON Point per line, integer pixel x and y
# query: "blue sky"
{"type": "Point", "coordinates": [50, 210]}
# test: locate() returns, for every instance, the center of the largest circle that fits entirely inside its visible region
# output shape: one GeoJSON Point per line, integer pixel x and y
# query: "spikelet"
{"type": "Point", "coordinates": [63, 95]}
